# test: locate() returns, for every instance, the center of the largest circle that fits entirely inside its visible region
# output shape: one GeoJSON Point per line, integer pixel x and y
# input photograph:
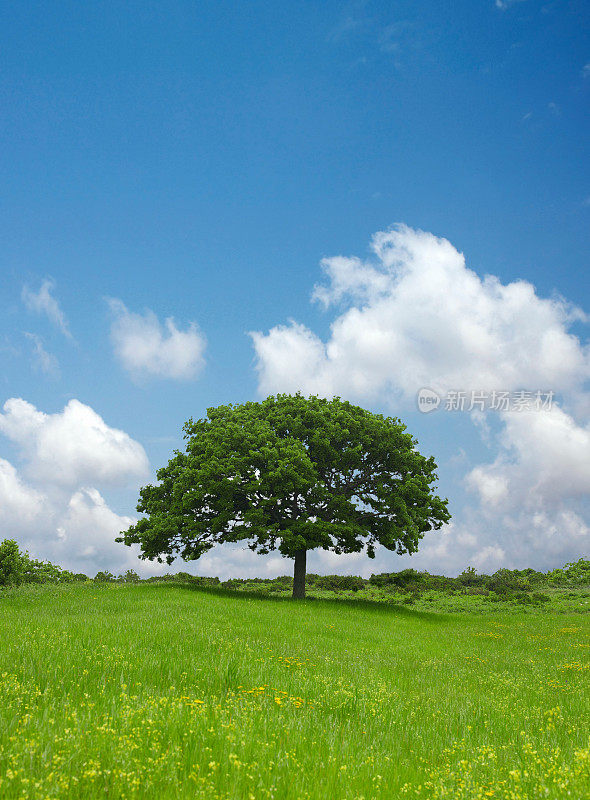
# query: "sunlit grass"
{"type": "Point", "coordinates": [161, 691]}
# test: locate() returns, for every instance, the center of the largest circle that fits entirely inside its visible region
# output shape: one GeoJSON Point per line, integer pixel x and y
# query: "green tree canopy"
{"type": "Point", "coordinates": [290, 474]}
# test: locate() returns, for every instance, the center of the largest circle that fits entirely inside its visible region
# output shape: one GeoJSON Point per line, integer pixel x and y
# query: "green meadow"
{"type": "Point", "coordinates": [165, 690]}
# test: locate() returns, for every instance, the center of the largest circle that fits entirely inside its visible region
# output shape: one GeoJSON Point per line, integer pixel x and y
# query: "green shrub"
{"type": "Point", "coordinates": [469, 577]}
{"type": "Point", "coordinates": [400, 579]}
{"type": "Point", "coordinates": [578, 572]}
{"type": "Point", "coordinates": [202, 580]}
{"type": "Point", "coordinates": [506, 581]}
{"type": "Point", "coordinates": [412, 580]}
{"type": "Point", "coordinates": [45, 572]}
{"type": "Point", "coordinates": [284, 582]}
{"type": "Point", "coordinates": [516, 586]}
{"type": "Point", "coordinates": [340, 582]}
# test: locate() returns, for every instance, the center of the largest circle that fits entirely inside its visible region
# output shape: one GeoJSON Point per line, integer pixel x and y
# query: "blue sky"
{"type": "Point", "coordinates": [198, 161]}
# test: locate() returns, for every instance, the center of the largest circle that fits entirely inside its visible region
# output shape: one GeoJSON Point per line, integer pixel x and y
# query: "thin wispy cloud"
{"type": "Point", "coordinates": [372, 36]}
{"type": "Point", "coordinates": [351, 21]}
{"type": "Point", "coordinates": [43, 302]}
{"type": "Point", "coordinates": [504, 4]}
{"type": "Point", "coordinates": [395, 37]}
{"type": "Point", "coordinates": [46, 362]}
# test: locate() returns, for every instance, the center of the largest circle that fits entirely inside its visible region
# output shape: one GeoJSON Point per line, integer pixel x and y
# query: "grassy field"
{"type": "Point", "coordinates": [166, 691]}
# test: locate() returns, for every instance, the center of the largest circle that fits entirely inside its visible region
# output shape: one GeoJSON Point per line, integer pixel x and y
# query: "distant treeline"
{"type": "Point", "coordinates": [504, 581]}
{"type": "Point", "coordinates": [17, 567]}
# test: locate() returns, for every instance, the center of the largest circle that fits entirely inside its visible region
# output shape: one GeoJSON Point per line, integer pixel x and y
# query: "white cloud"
{"type": "Point", "coordinates": [544, 460]}
{"type": "Point", "coordinates": [488, 559]}
{"type": "Point", "coordinates": [83, 536]}
{"type": "Point", "coordinates": [20, 505]}
{"type": "Point", "coordinates": [147, 349]}
{"type": "Point", "coordinates": [42, 360]}
{"type": "Point", "coordinates": [417, 316]}
{"type": "Point", "coordinates": [72, 447]}
{"type": "Point", "coordinates": [56, 515]}
{"type": "Point", "coordinates": [586, 70]}
{"type": "Point", "coordinates": [533, 498]}
{"type": "Point", "coordinates": [43, 302]}
{"type": "Point", "coordinates": [237, 561]}
{"type": "Point", "coordinates": [520, 538]}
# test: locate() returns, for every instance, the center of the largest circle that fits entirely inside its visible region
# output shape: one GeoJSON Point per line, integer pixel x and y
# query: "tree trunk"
{"type": "Point", "coordinates": [299, 574]}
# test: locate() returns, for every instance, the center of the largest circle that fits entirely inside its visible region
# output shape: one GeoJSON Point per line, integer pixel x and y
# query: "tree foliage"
{"type": "Point", "coordinates": [12, 564]}
{"type": "Point", "coordinates": [290, 474]}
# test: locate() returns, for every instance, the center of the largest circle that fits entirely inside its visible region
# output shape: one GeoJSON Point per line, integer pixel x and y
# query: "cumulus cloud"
{"type": "Point", "coordinates": [52, 506]}
{"type": "Point", "coordinates": [544, 459]}
{"type": "Point", "coordinates": [42, 360]}
{"type": "Point", "coordinates": [71, 447]}
{"type": "Point", "coordinates": [147, 349]}
{"type": "Point", "coordinates": [416, 316]}
{"type": "Point", "coordinates": [84, 532]}
{"type": "Point", "coordinates": [530, 504]}
{"type": "Point", "coordinates": [20, 505]}
{"type": "Point", "coordinates": [43, 302]}
{"type": "Point", "coordinates": [533, 497]}
{"type": "Point", "coordinates": [54, 512]}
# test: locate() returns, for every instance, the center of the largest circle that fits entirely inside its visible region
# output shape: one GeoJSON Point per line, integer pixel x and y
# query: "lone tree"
{"type": "Point", "coordinates": [290, 474]}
